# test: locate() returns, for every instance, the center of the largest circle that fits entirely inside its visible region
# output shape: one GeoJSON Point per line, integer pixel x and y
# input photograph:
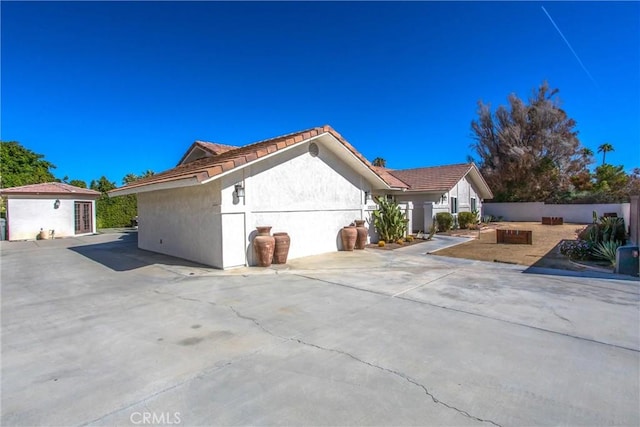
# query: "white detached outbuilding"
{"type": "Point", "coordinates": [309, 184]}
{"type": "Point", "coordinates": [56, 208]}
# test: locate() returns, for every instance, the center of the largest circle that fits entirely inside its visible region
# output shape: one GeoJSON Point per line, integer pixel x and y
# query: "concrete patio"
{"type": "Point", "coordinates": [97, 332]}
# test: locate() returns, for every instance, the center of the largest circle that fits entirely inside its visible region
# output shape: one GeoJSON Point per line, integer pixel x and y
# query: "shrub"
{"type": "Point", "coordinates": [389, 220]}
{"type": "Point", "coordinates": [607, 250]}
{"type": "Point", "coordinates": [444, 220]}
{"type": "Point", "coordinates": [576, 249]}
{"type": "Point", "coordinates": [465, 219]}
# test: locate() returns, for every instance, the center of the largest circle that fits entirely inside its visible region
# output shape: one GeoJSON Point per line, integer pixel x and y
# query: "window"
{"type": "Point", "coordinates": [454, 205]}
{"type": "Point", "coordinates": [474, 205]}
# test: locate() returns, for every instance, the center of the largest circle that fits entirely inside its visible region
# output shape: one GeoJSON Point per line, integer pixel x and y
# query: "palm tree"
{"type": "Point", "coordinates": [379, 161]}
{"type": "Point", "coordinates": [604, 149]}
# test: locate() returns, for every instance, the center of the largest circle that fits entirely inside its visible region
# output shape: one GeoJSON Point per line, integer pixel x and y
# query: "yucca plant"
{"type": "Point", "coordinates": [606, 250]}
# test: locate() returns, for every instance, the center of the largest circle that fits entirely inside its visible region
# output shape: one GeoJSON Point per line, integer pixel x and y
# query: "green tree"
{"type": "Point", "coordinates": [528, 151]}
{"type": "Point", "coordinates": [21, 166]}
{"type": "Point", "coordinates": [604, 149]}
{"type": "Point", "coordinates": [380, 162]}
{"type": "Point", "coordinates": [78, 183]}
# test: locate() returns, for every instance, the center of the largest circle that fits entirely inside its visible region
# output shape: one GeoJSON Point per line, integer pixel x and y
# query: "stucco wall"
{"type": "Point", "coordinates": [26, 216]}
{"type": "Point", "coordinates": [310, 198]}
{"type": "Point", "coordinates": [534, 211]}
{"type": "Point", "coordinates": [182, 222]}
{"type": "Point", "coordinates": [422, 219]}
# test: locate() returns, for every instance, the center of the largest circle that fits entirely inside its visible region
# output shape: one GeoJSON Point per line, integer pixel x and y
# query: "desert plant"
{"type": "Point", "coordinates": [444, 220]}
{"type": "Point", "coordinates": [487, 219]}
{"type": "Point", "coordinates": [612, 229]}
{"type": "Point", "coordinates": [400, 242]}
{"type": "Point", "coordinates": [409, 239]}
{"type": "Point", "coordinates": [389, 220]}
{"type": "Point", "coordinates": [381, 244]}
{"type": "Point", "coordinates": [465, 219]}
{"type": "Point", "coordinates": [433, 229]}
{"type": "Point", "coordinates": [576, 249]}
{"type": "Point", "coordinates": [606, 250]}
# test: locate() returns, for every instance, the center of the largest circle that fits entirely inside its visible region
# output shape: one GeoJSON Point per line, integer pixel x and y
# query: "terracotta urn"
{"type": "Point", "coordinates": [362, 233]}
{"type": "Point", "coordinates": [349, 235]}
{"type": "Point", "coordinates": [283, 242]}
{"type": "Point", "coordinates": [264, 244]}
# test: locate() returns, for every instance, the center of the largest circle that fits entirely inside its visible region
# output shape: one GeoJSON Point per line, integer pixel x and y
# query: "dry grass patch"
{"type": "Point", "coordinates": [485, 248]}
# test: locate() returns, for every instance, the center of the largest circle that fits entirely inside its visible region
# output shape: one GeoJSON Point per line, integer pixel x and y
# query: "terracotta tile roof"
{"type": "Point", "coordinates": [437, 178]}
{"type": "Point", "coordinates": [209, 167]}
{"type": "Point", "coordinates": [212, 148]}
{"type": "Point", "coordinates": [393, 181]}
{"type": "Point", "coordinates": [53, 188]}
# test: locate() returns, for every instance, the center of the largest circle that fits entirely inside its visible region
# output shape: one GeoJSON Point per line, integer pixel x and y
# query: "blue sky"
{"type": "Point", "coordinates": [117, 87]}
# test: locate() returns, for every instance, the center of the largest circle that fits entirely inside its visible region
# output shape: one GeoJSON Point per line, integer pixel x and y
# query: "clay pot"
{"type": "Point", "coordinates": [349, 235]}
{"type": "Point", "coordinates": [283, 242]}
{"type": "Point", "coordinates": [264, 244]}
{"type": "Point", "coordinates": [362, 233]}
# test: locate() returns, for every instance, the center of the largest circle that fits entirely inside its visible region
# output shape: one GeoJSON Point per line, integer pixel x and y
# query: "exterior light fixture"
{"type": "Point", "coordinates": [56, 204]}
{"type": "Point", "coordinates": [367, 196]}
{"type": "Point", "coordinates": [239, 190]}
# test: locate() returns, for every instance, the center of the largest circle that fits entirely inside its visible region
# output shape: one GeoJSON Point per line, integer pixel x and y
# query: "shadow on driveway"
{"type": "Point", "coordinates": [123, 254]}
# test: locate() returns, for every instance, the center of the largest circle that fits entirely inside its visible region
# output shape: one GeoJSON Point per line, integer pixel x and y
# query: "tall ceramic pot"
{"type": "Point", "coordinates": [264, 244]}
{"type": "Point", "coordinates": [348, 235]}
{"type": "Point", "coordinates": [362, 233]}
{"type": "Point", "coordinates": [283, 242]}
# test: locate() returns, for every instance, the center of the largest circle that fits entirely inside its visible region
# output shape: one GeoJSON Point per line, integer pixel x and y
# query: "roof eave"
{"type": "Point", "coordinates": [165, 185]}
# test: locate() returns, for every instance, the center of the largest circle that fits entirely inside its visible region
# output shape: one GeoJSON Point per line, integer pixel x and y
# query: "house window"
{"type": "Point", "coordinates": [474, 205]}
{"type": "Point", "coordinates": [454, 205]}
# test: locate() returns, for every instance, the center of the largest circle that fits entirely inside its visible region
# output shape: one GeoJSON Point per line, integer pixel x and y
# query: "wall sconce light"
{"type": "Point", "coordinates": [444, 197]}
{"type": "Point", "coordinates": [56, 204]}
{"type": "Point", "coordinates": [367, 196]}
{"type": "Point", "coordinates": [239, 190]}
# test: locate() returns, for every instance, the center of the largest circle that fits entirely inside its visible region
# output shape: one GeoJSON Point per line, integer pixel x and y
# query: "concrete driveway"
{"type": "Point", "coordinates": [96, 332]}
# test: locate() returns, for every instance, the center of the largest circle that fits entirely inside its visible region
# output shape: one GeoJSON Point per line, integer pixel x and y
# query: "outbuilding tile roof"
{"type": "Point", "coordinates": [209, 167]}
{"type": "Point", "coordinates": [53, 188]}
{"type": "Point", "coordinates": [436, 178]}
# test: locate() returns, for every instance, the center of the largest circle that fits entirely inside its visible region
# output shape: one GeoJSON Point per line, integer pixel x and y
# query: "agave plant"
{"type": "Point", "coordinates": [607, 250]}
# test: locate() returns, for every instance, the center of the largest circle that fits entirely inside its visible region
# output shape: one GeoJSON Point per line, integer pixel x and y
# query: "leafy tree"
{"type": "Point", "coordinates": [528, 151]}
{"type": "Point", "coordinates": [610, 178]}
{"type": "Point", "coordinates": [379, 161]}
{"type": "Point", "coordinates": [78, 183]}
{"type": "Point", "coordinates": [604, 149]}
{"type": "Point", "coordinates": [21, 166]}
{"type": "Point", "coordinates": [102, 185]}
{"type": "Point", "coordinates": [130, 177]}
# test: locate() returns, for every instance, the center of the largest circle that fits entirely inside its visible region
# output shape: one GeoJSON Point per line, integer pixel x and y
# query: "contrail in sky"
{"type": "Point", "coordinates": [569, 44]}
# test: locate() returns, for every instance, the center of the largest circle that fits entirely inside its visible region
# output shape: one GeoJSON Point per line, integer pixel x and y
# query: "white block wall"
{"type": "Point", "coordinates": [534, 211]}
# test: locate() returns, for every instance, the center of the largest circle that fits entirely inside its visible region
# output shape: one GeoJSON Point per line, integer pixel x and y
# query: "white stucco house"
{"type": "Point", "coordinates": [309, 184]}
{"type": "Point", "coordinates": [53, 206]}
{"type": "Point", "coordinates": [450, 188]}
